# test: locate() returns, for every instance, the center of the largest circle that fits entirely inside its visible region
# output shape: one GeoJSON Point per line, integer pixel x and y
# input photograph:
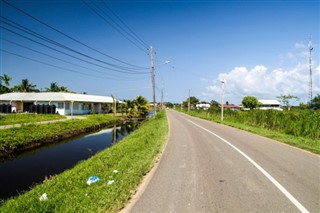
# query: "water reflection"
{"type": "Point", "coordinates": [19, 174]}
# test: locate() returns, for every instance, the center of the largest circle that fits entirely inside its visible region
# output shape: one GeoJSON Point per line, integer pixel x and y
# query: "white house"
{"type": "Point", "coordinates": [203, 105]}
{"type": "Point", "coordinates": [65, 103]}
{"type": "Point", "coordinates": [269, 104]}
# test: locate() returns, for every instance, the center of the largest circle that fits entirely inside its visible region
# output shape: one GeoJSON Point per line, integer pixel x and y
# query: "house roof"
{"type": "Point", "coordinates": [54, 96]}
{"type": "Point", "coordinates": [269, 102]}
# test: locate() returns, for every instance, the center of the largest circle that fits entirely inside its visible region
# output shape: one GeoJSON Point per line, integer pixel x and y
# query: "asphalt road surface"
{"type": "Point", "coordinates": [208, 167]}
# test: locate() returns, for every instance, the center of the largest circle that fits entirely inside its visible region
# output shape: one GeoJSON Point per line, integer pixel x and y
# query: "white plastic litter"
{"type": "Point", "coordinates": [115, 171]}
{"type": "Point", "coordinates": [43, 197]}
{"type": "Point", "coordinates": [92, 179]}
{"type": "Point", "coordinates": [110, 182]}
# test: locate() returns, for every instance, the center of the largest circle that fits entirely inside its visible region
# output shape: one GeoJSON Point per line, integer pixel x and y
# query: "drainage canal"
{"type": "Point", "coordinates": [19, 174]}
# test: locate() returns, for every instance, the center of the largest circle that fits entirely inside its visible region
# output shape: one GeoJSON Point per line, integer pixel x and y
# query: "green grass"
{"type": "Point", "coordinates": [17, 137]}
{"type": "Point", "coordinates": [9, 119]}
{"type": "Point", "coordinates": [307, 143]}
{"type": "Point", "coordinates": [132, 157]}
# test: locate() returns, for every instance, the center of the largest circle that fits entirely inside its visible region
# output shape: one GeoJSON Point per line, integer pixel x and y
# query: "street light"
{"type": "Point", "coordinates": [222, 94]}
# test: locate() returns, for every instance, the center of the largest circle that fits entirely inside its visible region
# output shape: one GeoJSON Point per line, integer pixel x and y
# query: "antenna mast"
{"type": "Point", "coordinates": [310, 70]}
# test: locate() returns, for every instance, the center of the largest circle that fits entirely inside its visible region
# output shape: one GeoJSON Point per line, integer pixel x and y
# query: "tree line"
{"type": "Point", "coordinates": [252, 102]}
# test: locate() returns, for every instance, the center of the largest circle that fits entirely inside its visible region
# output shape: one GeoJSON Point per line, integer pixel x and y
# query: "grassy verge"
{"type": "Point", "coordinates": [306, 143]}
{"type": "Point", "coordinates": [27, 118]}
{"type": "Point", "coordinates": [68, 192]}
{"type": "Point", "coordinates": [18, 138]}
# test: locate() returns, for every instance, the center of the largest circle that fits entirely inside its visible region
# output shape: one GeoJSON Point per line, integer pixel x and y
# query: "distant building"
{"type": "Point", "coordinates": [64, 103]}
{"type": "Point", "coordinates": [269, 104]}
{"type": "Point", "coordinates": [203, 105]}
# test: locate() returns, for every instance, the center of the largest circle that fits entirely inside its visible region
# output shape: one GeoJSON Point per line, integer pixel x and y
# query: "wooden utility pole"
{"type": "Point", "coordinates": [153, 82]}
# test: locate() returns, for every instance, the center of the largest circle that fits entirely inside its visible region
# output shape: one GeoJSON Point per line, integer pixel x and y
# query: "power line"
{"type": "Point", "coordinates": [73, 39]}
{"type": "Point", "coordinates": [55, 66]}
{"type": "Point", "coordinates": [119, 31]}
{"type": "Point", "coordinates": [50, 56]}
{"type": "Point", "coordinates": [39, 36]}
{"type": "Point", "coordinates": [133, 33]}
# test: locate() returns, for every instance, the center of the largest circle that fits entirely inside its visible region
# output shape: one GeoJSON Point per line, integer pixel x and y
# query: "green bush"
{"type": "Point", "coordinates": [303, 123]}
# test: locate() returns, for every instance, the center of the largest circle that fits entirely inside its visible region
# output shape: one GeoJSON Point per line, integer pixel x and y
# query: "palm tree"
{"type": "Point", "coordinates": [142, 105]}
{"type": "Point", "coordinates": [54, 87]}
{"type": "Point", "coordinates": [6, 79]}
{"type": "Point", "coordinates": [26, 86]}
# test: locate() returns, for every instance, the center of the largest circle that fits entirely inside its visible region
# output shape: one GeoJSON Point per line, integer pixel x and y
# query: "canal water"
{"type": "Point", "coordinates": [19, 174]}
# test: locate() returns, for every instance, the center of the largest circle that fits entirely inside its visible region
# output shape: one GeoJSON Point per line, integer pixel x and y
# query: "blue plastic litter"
{"type": "Point", "coordinates": [93, 179]}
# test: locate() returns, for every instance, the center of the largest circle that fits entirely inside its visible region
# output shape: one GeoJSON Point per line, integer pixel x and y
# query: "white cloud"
{"type": "Point", "coordinates": [299, 52]}
{"type": "Point", "coordinates": [204, 80]}
{"type": "Point", "coordinates": [300, 45]}
{"type": "Point", "coordinates": [262, 83]}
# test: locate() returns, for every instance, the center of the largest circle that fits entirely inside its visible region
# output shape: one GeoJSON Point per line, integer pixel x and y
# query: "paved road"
{"type": "Point", "coordinates": [208, 167]}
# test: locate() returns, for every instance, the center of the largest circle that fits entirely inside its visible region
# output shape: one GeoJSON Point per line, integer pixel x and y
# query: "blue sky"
{"type": "Point", "coordinates": [259, 48]}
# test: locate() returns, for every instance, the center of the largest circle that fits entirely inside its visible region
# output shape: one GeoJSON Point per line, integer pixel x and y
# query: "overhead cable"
{"type": "Point", "coordinates": [73, 39]}
{"type": "Point", "coordinates": [133, 33]}
{"type": "Point", "coordinates": [56, 58]}
{"type": "Point", "coordinates": [39, 36]}
{"type": "Point", "coordinates": [112, 25]}
{"type": "Point", "coordinates": [62, 68]}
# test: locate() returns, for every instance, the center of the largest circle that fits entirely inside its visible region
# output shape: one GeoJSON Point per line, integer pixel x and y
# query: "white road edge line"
{"type": "Point", "coordinates": [274, 181]}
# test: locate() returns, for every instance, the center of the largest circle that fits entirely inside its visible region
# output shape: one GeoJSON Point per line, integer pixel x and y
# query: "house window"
{"type": "Point", "coordinates": [67, 106]}
{"type": "Point", "coordinates": [75, 106]}
{"type": "Point", "coordinates": [85, 106]}
{"type": "Point", "coordinates": [60, 105]}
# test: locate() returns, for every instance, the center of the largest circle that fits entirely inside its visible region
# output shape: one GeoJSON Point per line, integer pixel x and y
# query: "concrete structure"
{"type": "Point", "coordinates": [65, 103]}
{"type": "Point", "coordinates": [269, 104]}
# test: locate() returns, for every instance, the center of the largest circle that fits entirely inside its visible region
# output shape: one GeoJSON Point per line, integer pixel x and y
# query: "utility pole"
{"type": "Point", "coordinates": [161, 96]}
{"type": "Point", "coordinates": [189, 102]}
{"type": "Point", "coordinates": [222, 97]}
{"type": "Point", "coordinates": [162, 99]}
{"type": "Point", "coordinates": [153, 82]}
{"type": "Point", "coordinates": [310, 70]}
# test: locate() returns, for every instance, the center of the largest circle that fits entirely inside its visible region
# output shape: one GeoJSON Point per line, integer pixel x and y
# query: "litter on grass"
{"type": "Point", "coordinates": [92, 179]}
{"type": "Point", "coordinates": [115, 171]}
{"type": "Point", "coordinates": [43, 197]}
{"type": "Point", "coordinates": [110, 182]}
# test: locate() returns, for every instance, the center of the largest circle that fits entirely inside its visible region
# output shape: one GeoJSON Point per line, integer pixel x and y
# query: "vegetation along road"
{"type": "Point", "coordinates": [209, 167]}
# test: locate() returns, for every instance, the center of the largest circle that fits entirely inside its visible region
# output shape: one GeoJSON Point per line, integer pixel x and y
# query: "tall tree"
{"type": "Point", "coordinates": [25, 86]}
{"type": "Point", "coordinates": [54, 87]}
{"type": "Point", "coordinates": [315, 102]}
{"type": "Point", "coordinates": [142, 105]}
{"type": "Point", "coordinates": [6, 80]}
{"type": "Point", "coordinates": [193, 101]}
{"type": "Point", "coordinates": [286, 100]}
{"type": "Point", "coordinates": [250, 102]}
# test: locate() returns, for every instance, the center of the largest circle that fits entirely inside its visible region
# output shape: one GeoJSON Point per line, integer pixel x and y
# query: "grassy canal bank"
{"type": "Point", "coordinates": [10, 119]}
{"type": "Point", "coordinates": [120, 169]}
{"type": "Point", "coordinates": [29, 136]}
